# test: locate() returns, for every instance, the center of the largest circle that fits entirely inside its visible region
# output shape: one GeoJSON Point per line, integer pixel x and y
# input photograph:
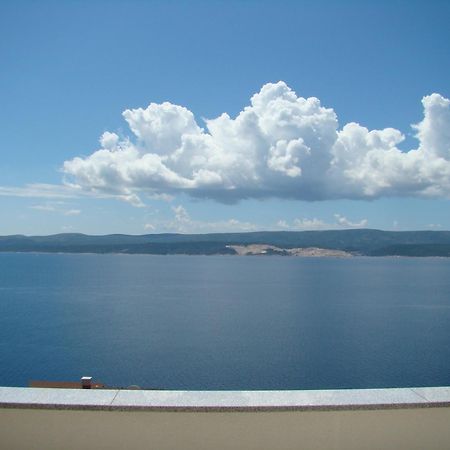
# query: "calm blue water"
{"type": "Point", "coordinates": [225, 322]}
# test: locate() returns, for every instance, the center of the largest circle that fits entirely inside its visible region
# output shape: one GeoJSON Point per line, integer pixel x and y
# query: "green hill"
{"type": "Point", "coordinates": [362, 242]}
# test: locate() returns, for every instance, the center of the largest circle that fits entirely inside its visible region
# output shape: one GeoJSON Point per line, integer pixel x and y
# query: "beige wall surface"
{"type": "Point", "coordinates": [415, 428]}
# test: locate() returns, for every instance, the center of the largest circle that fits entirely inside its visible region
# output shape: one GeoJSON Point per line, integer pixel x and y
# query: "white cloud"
{"type": "Point", "coordinates": [72, 212]}
{"type": "Point", "coordinates": [133, 199]}
{"type": "Point", "coordinates": [56, 207]}
{"type": "Point", "coordinates": [283, 225]}
{"type": "Point", "coordinates": [47, 208]}
{"type": "Point", "coordinates": [281, 145]}
{"type": "Point", "coordinates": [304, 224]}
{"type": "Point", "coordinates": [109, 140]}
{"type": "Point", "coordinates": [183, 223]}
{"type": "Point", "coordinates": [311, 224]}
{"type": "Point", "coordinates": [38, 190]}
{"type": "Point", "coordinates": [181, 215]}
{"type": "Point", "coordinates": [163, 197]}
{"type": "Point", "coordinates": [70, 191]}
{"type": "Point", "coordinates": [341, 220]}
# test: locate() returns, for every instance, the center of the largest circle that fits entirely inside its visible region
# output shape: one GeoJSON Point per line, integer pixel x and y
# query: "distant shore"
{"type": "Point", "coordinates": [328, 243]}
{"type": "Point", "coordinates": [326, 254]}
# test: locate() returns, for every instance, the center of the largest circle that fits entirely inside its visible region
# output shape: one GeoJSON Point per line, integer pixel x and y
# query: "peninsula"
{"type": "Point", "coordinates": [332, 243]}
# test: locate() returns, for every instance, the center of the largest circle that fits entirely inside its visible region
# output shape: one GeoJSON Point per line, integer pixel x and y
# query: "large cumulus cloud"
{"type": "Point", "coordinates": [281, 145]}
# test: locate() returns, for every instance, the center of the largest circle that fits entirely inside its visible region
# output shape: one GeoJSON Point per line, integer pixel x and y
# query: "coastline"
{"type": "Point", "coordinates": [326, 243]}
{"type": "Point", "coordinates": [351, 256]}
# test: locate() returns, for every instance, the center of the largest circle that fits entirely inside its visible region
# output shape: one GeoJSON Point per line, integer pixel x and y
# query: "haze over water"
{"type": "Point", "coordinates": [225, 322]}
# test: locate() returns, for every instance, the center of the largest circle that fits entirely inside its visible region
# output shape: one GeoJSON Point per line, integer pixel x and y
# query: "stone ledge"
{"type": "Point", "coordinates": [223, 401]}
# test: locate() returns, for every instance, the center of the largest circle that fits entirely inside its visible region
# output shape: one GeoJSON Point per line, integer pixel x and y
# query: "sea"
{"type": "Point", "coordinates": [225, 322]}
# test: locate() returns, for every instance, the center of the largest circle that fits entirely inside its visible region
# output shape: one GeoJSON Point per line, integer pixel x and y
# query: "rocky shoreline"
{"type": "Point", "coordinates": [265, 249]}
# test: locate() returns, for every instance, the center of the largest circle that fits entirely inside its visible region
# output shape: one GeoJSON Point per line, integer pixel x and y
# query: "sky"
{"type": "Point", "coordinates": [216, 116]}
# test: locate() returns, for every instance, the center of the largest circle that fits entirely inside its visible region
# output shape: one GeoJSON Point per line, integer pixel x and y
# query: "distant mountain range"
{"type": "Point", "coordinates": [358, 242]}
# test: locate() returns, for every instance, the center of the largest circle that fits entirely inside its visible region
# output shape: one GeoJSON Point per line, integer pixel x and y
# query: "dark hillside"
{"type": "Point", "coordinates": [362, 241]}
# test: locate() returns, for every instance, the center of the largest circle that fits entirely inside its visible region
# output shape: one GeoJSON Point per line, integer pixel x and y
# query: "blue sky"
{"type": "Point", "coordinates": [276, 161]}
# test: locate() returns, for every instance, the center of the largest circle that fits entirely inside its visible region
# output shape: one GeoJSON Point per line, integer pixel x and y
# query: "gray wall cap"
{"type": "Point", "coordinates": [115, 399]}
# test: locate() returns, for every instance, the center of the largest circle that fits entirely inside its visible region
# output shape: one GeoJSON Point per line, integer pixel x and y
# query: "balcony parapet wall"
{"type": "Point", "coordinates": [226, 401]}
{"type": "Point", "coordinates": [355, 419]}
